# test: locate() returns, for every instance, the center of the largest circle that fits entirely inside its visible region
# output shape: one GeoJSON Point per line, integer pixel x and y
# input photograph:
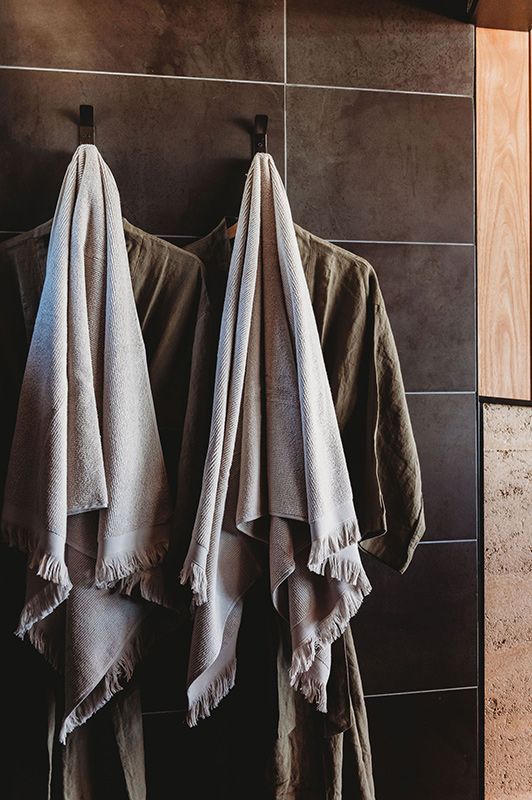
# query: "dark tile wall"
{"type": "Point", "coordinates": [375, 102]}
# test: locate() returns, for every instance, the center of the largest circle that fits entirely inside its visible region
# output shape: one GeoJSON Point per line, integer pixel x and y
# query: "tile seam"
{"type": "Point", "coordinates": [366, 697]}
{"type": "Point", "coordinates": [69, 70]}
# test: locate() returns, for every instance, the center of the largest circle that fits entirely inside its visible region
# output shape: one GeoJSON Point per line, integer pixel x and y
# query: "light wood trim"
{"type": "Point", "coordinates": [503, 212]}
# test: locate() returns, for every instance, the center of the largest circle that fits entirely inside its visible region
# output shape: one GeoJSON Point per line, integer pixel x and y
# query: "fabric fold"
{"type": "Point", "coordinates": [275, 484]}
{"type": "Point", "coordinates": [86, 494]}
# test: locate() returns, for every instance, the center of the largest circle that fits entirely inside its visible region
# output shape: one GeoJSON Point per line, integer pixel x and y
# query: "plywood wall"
{"type": "Point", "coordinates": [503, 212]}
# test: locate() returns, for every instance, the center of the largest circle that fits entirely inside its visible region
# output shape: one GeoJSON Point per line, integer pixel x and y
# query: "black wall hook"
{"type": "Point", "coordinates": [260, 134]}
{"type": "Point", "coordinates": [86, 124]}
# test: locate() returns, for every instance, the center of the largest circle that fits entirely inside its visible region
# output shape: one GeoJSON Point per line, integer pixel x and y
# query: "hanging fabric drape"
{"type": "Point", "coordinates": [86, 494]}
{"type": "Point", "coordinates": [275, 471]}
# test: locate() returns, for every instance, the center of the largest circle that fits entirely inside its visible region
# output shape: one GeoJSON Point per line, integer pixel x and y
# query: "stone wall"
{"type": "Point", "coordinates": [508, 601]}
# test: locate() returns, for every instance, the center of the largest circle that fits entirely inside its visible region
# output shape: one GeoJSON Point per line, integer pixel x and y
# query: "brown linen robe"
{"type": "Point", "coordinates": [279, 746]}
{"type": "Point", "coordinates": [172, 305]}
{"type": "Point", "coordinates": [310, 756]}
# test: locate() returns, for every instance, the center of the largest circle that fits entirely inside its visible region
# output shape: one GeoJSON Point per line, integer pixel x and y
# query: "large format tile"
{"type": "Point", "coordinates": [429, 292]}
{"type": "Point", "coordinates": [418, 630]}
{"type": "Point", "coordinates": [381, 166]}
{"type": "Point", "coordinates": [425, 746]}
{"type": "Point", "coordinates": [224, 40]}
{"type": "Point", "coordinates": [389, 44]}
{"type": "Point", "coordinates": [178, 149]}
{"type": "Point", "coordinates": [444, 428]}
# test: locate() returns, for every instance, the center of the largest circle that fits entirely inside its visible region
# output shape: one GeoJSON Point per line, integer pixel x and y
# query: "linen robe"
{"type": "Point", "coordinates": [264, 739]}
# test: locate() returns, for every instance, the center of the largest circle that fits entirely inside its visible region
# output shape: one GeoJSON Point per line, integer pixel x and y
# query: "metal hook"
{"type": "Point", "coordinates": [86, 124]}
{"type": "Point", "coordinates": [260, 134]}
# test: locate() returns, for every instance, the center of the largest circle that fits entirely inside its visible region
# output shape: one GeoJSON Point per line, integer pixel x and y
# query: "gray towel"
{"type": "Point", "coordinates": [86, 494]}
{"type": "Point", "coordinates": [275, 471]}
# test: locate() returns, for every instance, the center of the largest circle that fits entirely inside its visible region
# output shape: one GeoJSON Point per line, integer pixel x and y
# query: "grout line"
{"type": "Point", "coordinates": [224, 80]}
{"type": "Point", "coordinates": [366, 696]}
{"type": "Point", "coordinates": [337, 241]}
{"type": "Point", "coordinates": [372, 89]}
{"type": "Point", "coordinates": [423, 691]}
{"type": "Point", "coordinates": [140, 75]}
{"type": "Point", "coordinates": [168, 711]}
{"type": "Point", "coordinates": [446, 541]}
{"type": "Point", "coordinates": [390, 241]}
{"type": "Point", "coordinates": [442, 392]}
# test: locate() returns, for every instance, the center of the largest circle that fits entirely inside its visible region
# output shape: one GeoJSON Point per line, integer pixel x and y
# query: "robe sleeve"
{"type": "Point", "coordinates": [380, 447]}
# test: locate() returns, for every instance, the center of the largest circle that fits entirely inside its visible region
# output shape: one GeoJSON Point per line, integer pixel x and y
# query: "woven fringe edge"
{"type": "Point", "coordinates": [328, 630]}
{"type": "Point", "coordinates": [112, 682]}
{"type": "Point", "coordinates": [212, 696]}
{"type": "Point", "coordinates": [343, 570]}
{"type": "Point", "coordinates": [197, 577]}
{"type": "Point", "coordinates": [46, 566]}
{"type": "Point", "coordinates": [38, 607]}
{"type": "Point", "coordinates": [151, 585]}
{"type": "Point", "coordinates": [321, 549]}
{"type": "Point", "coordinates": [110, 572]}
{"type": "Point", "coordinates": [44, 646]}
{"type": "Point", "coordinates": [314, 691]}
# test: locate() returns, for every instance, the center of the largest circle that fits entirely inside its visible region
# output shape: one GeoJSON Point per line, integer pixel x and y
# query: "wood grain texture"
{"type": "Point", "coordinates": [503, 213]}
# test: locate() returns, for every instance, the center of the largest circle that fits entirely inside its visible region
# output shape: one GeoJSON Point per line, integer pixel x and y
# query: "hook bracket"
{"type": "Point", "coordinates": [260, 134]}
{"type": "Point", "coordinates": [86, 124]}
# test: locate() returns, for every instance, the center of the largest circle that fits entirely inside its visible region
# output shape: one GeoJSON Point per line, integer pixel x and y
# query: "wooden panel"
{"type": "Point", "coordinates": [503, 213]}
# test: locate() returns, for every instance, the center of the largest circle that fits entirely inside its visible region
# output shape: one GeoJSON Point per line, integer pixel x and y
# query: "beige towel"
{"type": "Point", "coordinates": [275, 472]}
{"type": "Point", "coordinates": [86, 494]}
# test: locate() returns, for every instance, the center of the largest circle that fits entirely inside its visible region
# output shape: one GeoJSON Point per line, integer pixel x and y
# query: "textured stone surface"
{"type": "Point", "coordinates": [508, 598]}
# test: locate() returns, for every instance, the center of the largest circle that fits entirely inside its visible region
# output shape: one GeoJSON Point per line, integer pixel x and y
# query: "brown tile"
{"type": "Point", "coordinates": [419, 630]}
{"type": "Point", "coordinates": [381, 166]}
{"type": "Point", "coordinates": [389, 44]}
{"type": "Point", "coordinates": [444, 428]}
{"type": "Point", "coordinates": [430, 298]}
{"type": "Point", "coordinates": [178, 149]}
{"type": "Point", "coordinates": [222, 40]}
{"type": "Point", "coordinates": [425, 746]}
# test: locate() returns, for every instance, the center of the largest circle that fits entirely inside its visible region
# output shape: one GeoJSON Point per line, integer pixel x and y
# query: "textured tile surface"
{"type": "Point", "coordinates": [444, 428]}
{"type": "Point", "coordinates": [424, 746]}
{"type": "Point", "coordinates": [389, 44]}
{"type": "Point", "coordinates": [233, 39]}
{"type": "Point", "coordinates": [418, 630]}
{"type": "Point", "coordinates": [430, 298]}
{"type": "Point", "coordinates": [508, 601]}
{"type": "Point", "coordinates": [179, 164]}
{"type": "Point", "coordinates": [367, 165]}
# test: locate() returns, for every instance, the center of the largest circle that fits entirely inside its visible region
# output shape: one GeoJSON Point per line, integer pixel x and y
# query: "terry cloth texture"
{"type": "Point", "coordinates": [86, 494]}
{"type": "Point", "coordinates": [275, 470]}
{"type": "Point", "coordinates": [177, 325]}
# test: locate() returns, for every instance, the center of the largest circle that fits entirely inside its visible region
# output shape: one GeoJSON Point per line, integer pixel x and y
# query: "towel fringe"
{"type": "Point", "coordinates": [121, 566]}
{"type": "Point", "coordinates": [329, 629]}
{"type": "Point", "coordinates": [152, 586]}
{"type": "Point", "coordinates": [314, 691]}
{"type": "Point", "coordinates": [113, 682]}
{"type": "Point", "coordinates": [344, 570]}
{"type": "Point", "coordinates": [212, 696]}
{"type": "Point", "coordinates": [44, 646]}
{"type": "Point", "coordinates": [321, 549]}
{"type": "Point", "coordinates": [46, 566]}
{"type": "Point", "coordinates": [197, 577]}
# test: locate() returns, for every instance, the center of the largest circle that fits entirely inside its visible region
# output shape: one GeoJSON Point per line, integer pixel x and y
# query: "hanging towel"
{"type": "Point", "coordinates": [275, 476]}
{"type": "Point", "coordinates": [86, 493]}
